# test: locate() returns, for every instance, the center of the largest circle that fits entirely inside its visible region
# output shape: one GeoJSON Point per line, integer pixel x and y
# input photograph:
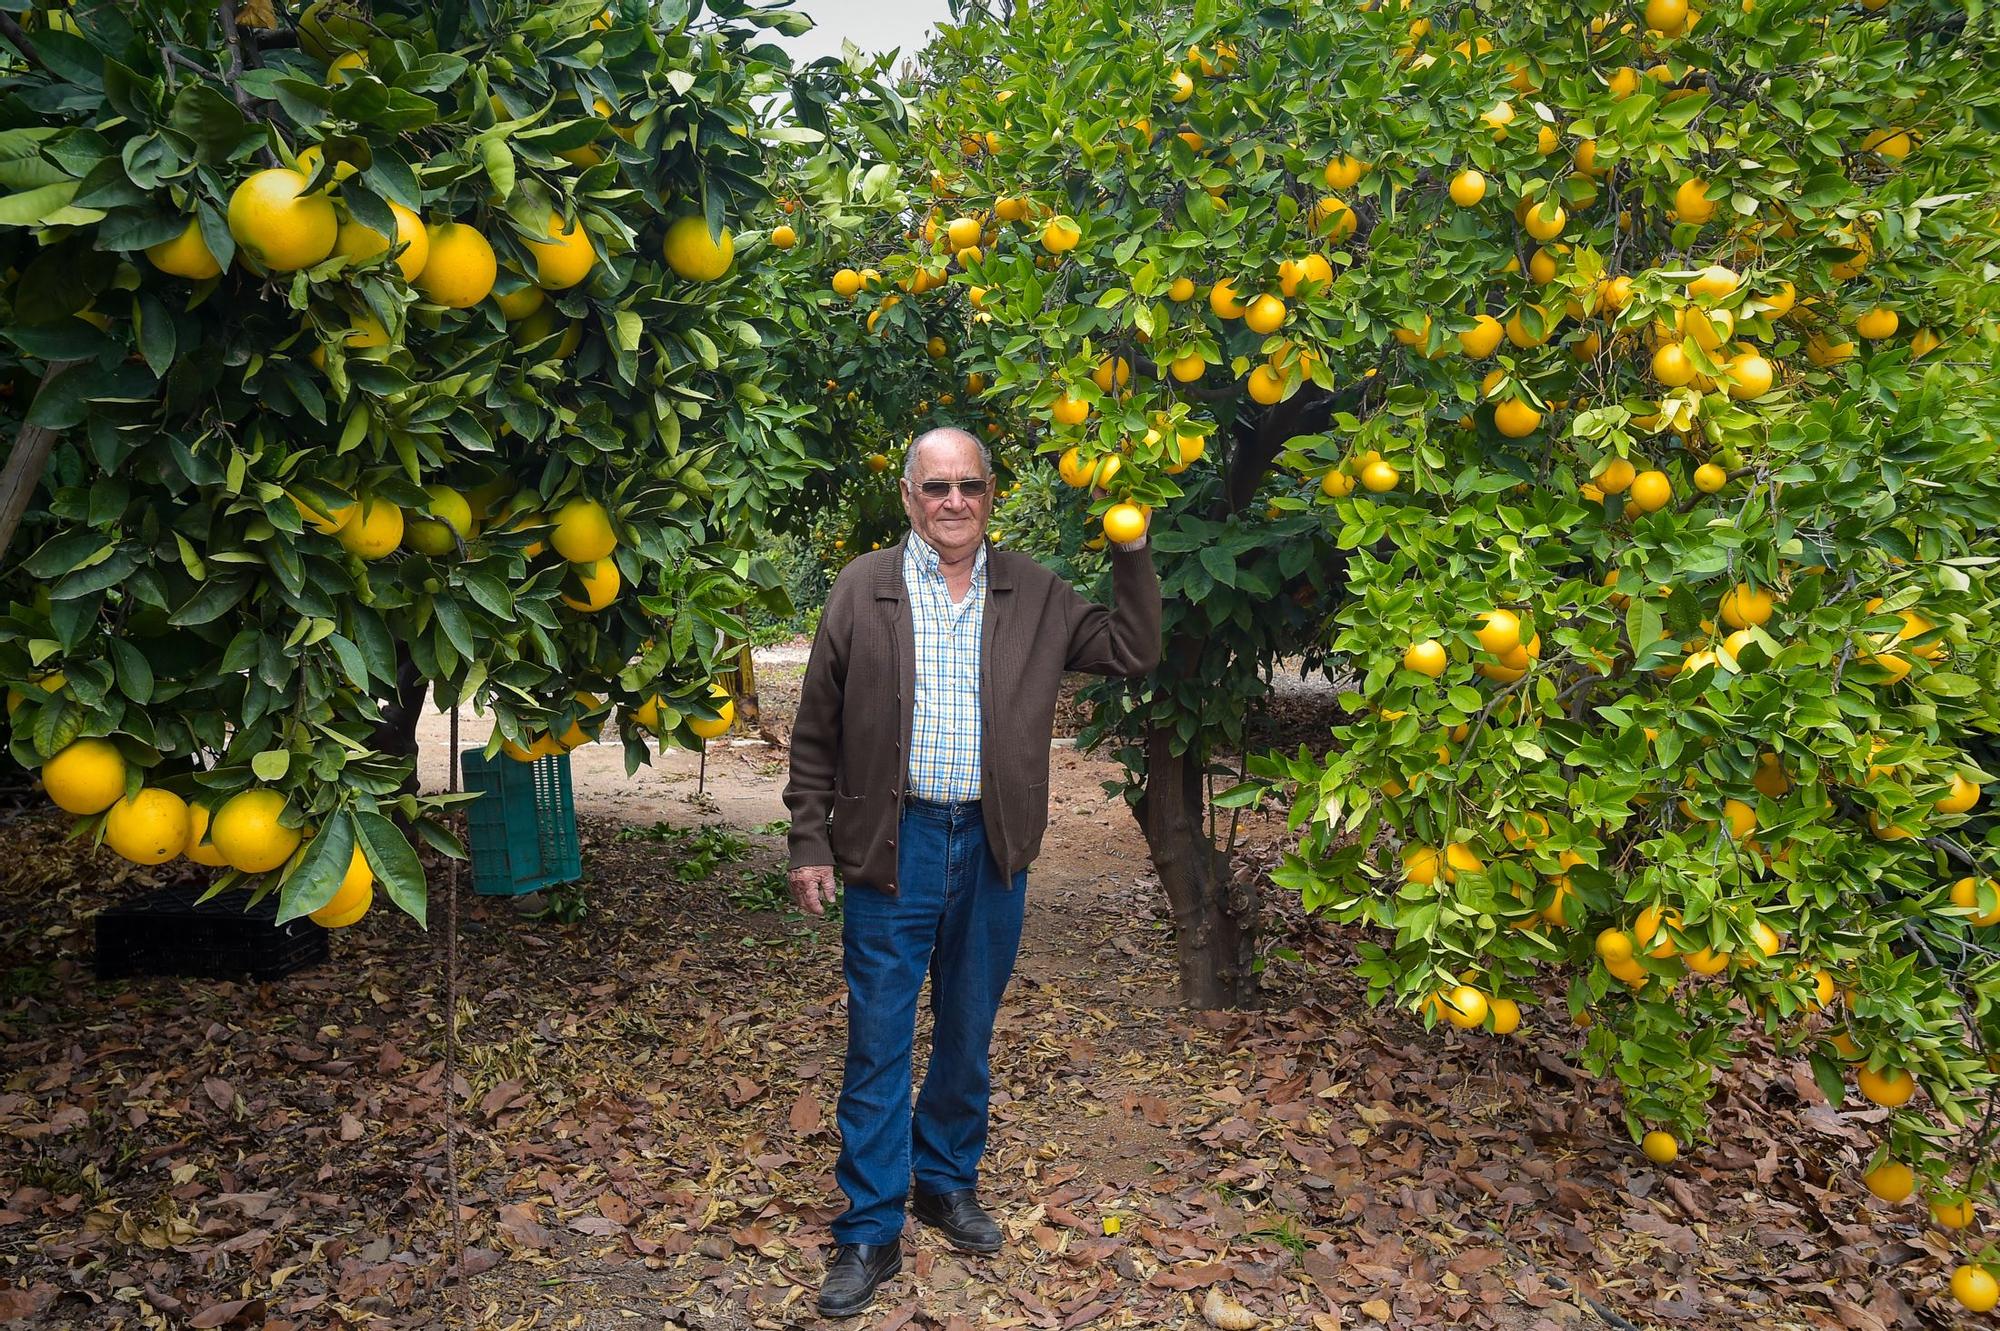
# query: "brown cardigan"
{"type": "Point", "coordinates": [850, 743]}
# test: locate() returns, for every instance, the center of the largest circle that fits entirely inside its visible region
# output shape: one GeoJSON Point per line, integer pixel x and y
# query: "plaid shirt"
{"type": "Point", "coordinates": [944, 739]}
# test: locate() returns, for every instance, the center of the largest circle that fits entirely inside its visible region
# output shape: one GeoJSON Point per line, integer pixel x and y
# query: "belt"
{"type": "Point", "coordinates": [943, 806]}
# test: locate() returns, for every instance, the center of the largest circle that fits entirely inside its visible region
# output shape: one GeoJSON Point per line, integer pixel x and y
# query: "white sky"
{"type": "Point", "coordinates": [872, 25]}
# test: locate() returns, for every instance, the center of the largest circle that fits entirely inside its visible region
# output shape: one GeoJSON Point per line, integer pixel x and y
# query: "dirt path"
{"type": "Point", "coordinates": [647, 1096]}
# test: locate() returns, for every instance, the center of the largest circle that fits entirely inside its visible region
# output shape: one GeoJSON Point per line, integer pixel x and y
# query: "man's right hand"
{"type": "Point", "coordinates": [812, 888]}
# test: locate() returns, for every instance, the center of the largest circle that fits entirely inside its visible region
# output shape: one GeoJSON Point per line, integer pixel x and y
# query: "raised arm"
{"type": "Point", "coordinates": [1124, 639]}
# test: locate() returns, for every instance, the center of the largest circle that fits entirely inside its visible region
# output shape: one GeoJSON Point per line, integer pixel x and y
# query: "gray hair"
{"type": "Point", "coordinates": [945, 432]}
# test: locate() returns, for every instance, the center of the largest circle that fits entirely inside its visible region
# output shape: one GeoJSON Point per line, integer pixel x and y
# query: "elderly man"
{"type": "Point", "coordinates": [920, 770]}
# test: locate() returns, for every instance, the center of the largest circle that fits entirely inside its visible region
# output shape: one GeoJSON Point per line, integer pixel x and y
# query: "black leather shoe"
{"type": "Point", "coordinates": [857, 1270]}
{"type": "Point", "coordinates": [958, 1217]}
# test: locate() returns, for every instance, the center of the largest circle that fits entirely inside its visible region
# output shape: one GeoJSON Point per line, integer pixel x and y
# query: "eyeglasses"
{"type": "Point", "coordinates": [972, 488]}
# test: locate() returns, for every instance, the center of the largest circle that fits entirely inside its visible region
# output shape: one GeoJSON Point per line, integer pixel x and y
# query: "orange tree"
{"type": "Point", "coordinates": [874, 354]}
{"type": "Point", "coordinates": [382, 351]}
{"type": "Point", "coordinates": [1642, 364]}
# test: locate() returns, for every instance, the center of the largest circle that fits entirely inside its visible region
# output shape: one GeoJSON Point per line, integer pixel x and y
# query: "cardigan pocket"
{"type": "Point", "coordinates": [848, 836]}
{"type": "Point", "coordinates": [1030, 820]}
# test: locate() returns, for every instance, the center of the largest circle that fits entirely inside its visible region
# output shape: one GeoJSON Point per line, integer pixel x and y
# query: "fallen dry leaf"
{"type": "Point", "coordinates": [237, 1312]}
{"type": "Point", "coordinates": [652, 1123]}
{"type": "Point", "coordinates": [1224, 1313]}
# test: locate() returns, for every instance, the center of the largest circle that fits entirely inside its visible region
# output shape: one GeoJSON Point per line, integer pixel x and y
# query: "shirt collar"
{"type": "Point", "coordinates": [927, 561]}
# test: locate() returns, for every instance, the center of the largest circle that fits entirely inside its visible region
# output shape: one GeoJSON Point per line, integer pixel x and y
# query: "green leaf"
{"type": "Point", "coordinates": [156, 333]}
{"type": "Point", "coordinates": [135, 673]}
{"type": "Point", "coordinates": [71, 550]}
{"type": "Point", "coordinates": [351, 661]}
{"type": "Point", "coordinates": [704, 349]}
{"type": "Point", "coordinates": [490, 592]}
{"type": "Point", "coordinates": [1239, 796]}
{"type": "Point", "coordinates": [213, 123]}
{"type": "Point", "coordinates": [72, 339]}
{"type": "Point", "coordinates": [317, 877]}
{"type": "Point", "coordinates": [35, 207]}
{"type": "Point", "coordinates": [109, 572]}
{"type": "Point", "coordinates": [394, 862]}
{"type": "Point", "coordinates": [1831, 1076]}
{"type": "Point", "coordinates": [212, 601]}
{"type": "Point", "coordinates": [64, 400]}
{"type": "Point", "coordinates": [272, 764]}
{"type": "Point", "coordinates": [71, 58]}
{"type": "Point", "coordinates": [498, 159]}
{"type": "Point", "coordinates": [630, 329]}
{"type": "Point", "coordinates": [1947, 685]}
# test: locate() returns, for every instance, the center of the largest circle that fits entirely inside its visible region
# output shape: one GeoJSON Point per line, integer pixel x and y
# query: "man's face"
{"type": "Point", "coordinates": [954, 523]}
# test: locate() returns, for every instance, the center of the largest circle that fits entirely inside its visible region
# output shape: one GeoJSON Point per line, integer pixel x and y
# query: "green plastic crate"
{"type": "Point", "coordinates": [523, 824]}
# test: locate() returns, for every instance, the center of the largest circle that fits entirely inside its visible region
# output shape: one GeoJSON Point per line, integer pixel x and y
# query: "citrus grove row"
{"type": "Point", "coordinates": [1640, 364]}
{"type": "Point", "coordinates": [1608, 393]}
{"type": "Point", "coordinates": [379, 357]}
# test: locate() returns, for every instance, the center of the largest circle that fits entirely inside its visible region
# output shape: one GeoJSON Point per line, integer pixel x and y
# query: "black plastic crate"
{"type": "Point", "coordinates": [166, 933]}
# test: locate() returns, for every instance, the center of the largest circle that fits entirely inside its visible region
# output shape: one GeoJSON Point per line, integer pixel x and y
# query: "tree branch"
{"type": "Point", "coordinates": [234, 39]}
{"type": "Point", "coordinates": [18, 39]}
{"type": "Point", "coordinates": [25, 461]}
{"type": "Point", "coordinates": [193, 66]}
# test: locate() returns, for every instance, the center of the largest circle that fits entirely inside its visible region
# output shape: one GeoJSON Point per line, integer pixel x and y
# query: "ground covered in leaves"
{"type": "Point", "coordinates": [646, 1139]}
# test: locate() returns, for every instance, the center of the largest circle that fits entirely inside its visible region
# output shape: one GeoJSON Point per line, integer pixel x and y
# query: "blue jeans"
{"type": "Point", "coordinates": [957, 917]}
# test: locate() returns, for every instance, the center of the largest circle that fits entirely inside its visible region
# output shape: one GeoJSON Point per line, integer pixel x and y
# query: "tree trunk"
{"type": "Point", "coordinates": [748, 714]}
{"type": "Point", "coordinates": [1215, 916]}
{"type": "Point", "coordinates": [1215, 919]}
{"type": "Point", "coordinates": [397, 734]}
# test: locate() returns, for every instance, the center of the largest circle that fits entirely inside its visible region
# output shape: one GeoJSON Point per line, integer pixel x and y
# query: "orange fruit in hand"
{"type": "Point", "coordinates": [1124, 523]}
